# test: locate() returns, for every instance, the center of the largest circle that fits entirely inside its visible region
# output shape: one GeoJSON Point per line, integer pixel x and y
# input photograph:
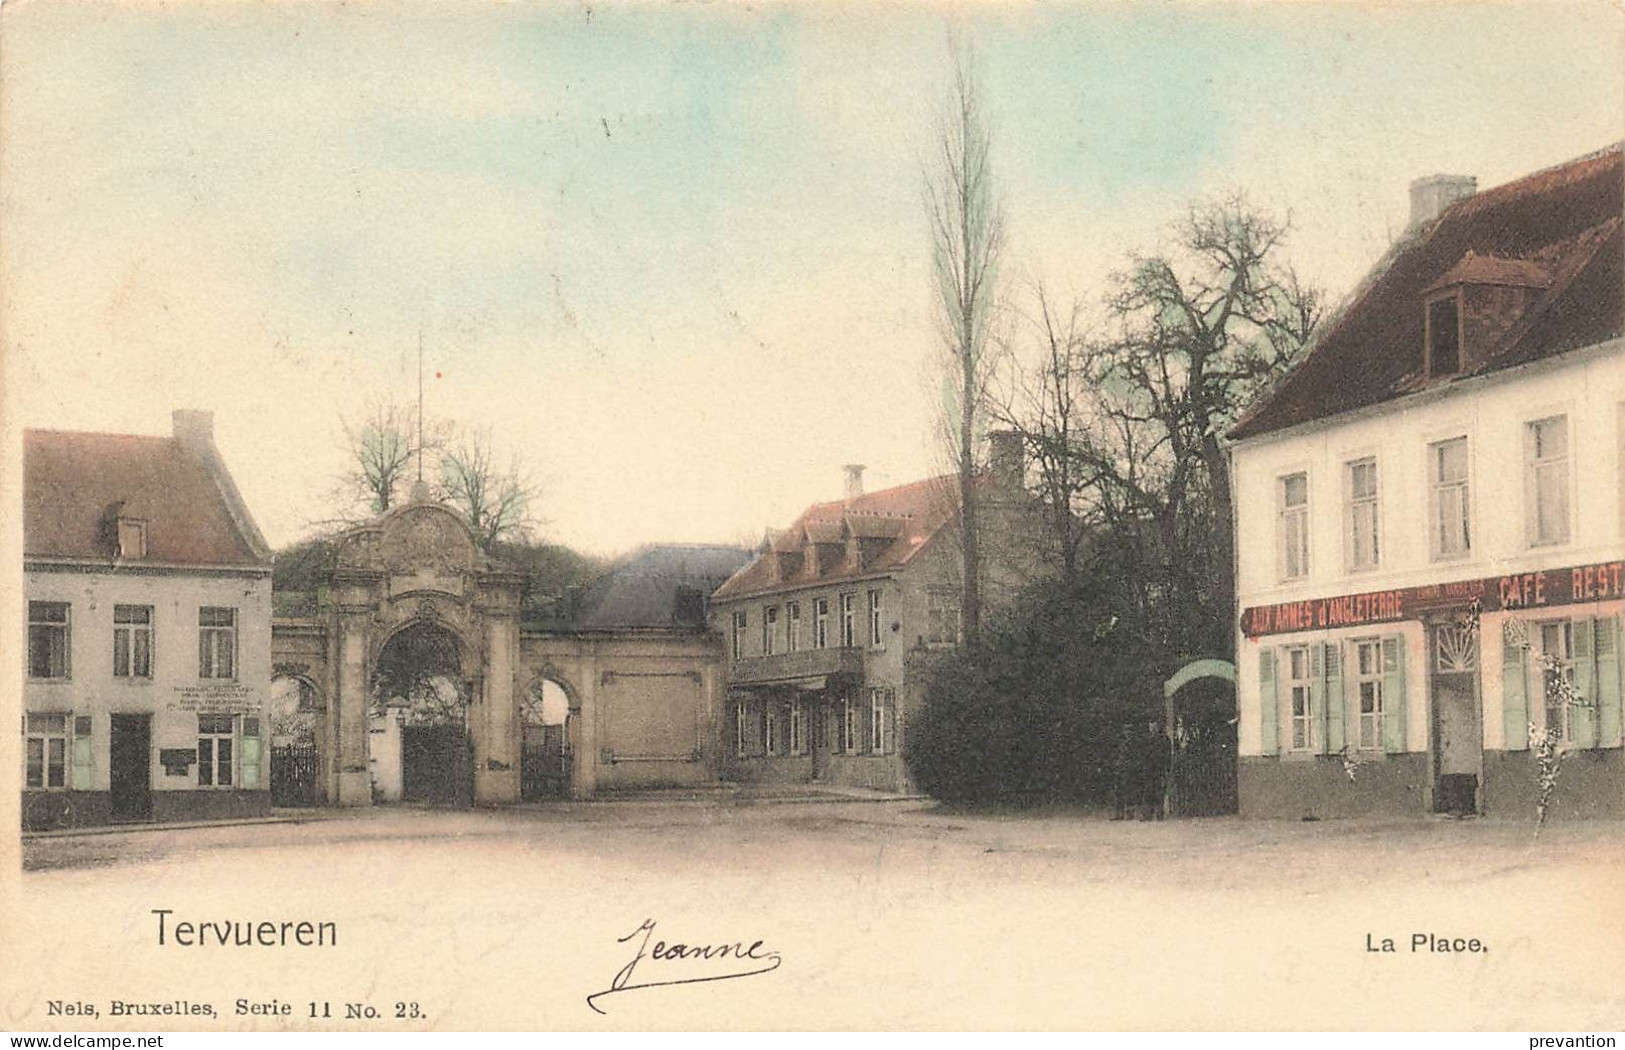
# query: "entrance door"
{"type": "Point", "coordinates": [1458, 737]}
{"type": "Point", "coordinates": [129, 767]}
{"type": "Point", "coordinates": [435, 766]}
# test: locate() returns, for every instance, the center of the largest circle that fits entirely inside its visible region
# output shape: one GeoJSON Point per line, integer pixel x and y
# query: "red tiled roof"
{"type": "Point", "coordinates": [1492, 269]}
{"type": "Point", "coordinates": [909, 515]}
{"type": "Point", "coordinates": [1562, 224]}
{"type": "Point", "coordinates": [76, 485]}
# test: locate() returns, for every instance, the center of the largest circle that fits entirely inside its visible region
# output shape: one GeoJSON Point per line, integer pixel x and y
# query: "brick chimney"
{"type": "Point", "coordinates": [194, 428]}
{"type": "Point", "coordinates": [854, 480]}
{"type": "Point", "coordinates": [1007, 458]}
{"type": "Point", "coordinates": [1431, 195]}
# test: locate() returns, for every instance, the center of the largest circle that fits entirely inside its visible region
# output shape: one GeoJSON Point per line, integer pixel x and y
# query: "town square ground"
{"type": "Point", "coordinates": [888, 914]}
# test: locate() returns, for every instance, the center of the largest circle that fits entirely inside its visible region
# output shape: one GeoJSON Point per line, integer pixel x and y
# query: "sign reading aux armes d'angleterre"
{"type": "Point", "coordinates": [1523, 590]}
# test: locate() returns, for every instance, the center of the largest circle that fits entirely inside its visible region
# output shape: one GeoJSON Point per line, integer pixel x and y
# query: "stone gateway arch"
{"type": "Point", "coordinates": [412, 589]}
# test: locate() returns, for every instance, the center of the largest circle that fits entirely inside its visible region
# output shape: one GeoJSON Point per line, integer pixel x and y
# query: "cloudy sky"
{"type": "Point", "coordinates": [674, 254]}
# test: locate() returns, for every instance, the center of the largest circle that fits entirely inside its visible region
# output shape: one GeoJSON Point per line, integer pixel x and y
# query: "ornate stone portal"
{"type": "Point", "coordinates": [643, 703]}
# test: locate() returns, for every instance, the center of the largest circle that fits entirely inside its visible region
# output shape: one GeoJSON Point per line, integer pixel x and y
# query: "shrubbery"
{"type": "Point", "coordinates": [1039, 708]}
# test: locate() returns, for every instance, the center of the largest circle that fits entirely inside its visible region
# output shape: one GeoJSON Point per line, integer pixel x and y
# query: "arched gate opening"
{"type": "Point", "coordinates": [418, 734]}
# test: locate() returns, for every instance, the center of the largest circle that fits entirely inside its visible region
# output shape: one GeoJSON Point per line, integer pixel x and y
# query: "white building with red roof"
{"type": "Point", "coordinates": [827, 629]}
{"type": "Point", "coordinates": [1431, 519]}
{"type": "Point", "coordinates": [148, 664]}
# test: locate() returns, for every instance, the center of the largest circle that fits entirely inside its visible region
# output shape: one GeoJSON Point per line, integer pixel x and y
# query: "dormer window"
{"type": "Point", "coordinates": [1444, 336]}
{"type": "Point", "coordinates": [132, 538]}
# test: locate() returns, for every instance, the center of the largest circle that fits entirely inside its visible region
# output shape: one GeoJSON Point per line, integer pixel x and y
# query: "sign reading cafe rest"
{"type": "Point", "coordinates": [1523, 590]}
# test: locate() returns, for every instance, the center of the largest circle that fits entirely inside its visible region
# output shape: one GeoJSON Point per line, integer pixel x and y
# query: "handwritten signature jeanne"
{"type": "Point", "coordinates": [730, 961]}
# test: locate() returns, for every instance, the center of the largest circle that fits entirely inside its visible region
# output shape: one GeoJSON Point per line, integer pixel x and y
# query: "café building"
{"type": "Point", "coordinates": [1431, 520]}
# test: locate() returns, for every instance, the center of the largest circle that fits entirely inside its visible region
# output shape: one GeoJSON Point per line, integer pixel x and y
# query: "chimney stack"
{"type": "Point", "coordinates": [193, 428]}
{"type": "Point", "coordinates": [854, 480]}
{"type": "Point", "coordinates": [1007, 458]}
{"type": "Point", "coordinates": [1430, 196]}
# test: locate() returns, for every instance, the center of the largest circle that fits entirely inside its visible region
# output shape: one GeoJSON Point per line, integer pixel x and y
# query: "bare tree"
{"type": "Point", "coordinates": [1049, 404]}
{"type": "Point", "coordinates": [497, 501]}
{"type": "Point", "coordinates": [382, 451]}
{"type": "Point", "coordinates": [1198, 334]}
{"type": "Point", "coordinates": [967, 240]}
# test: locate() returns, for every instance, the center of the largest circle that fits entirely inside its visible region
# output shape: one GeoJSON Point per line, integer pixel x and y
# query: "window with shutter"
{"type": "Point", "coordinates": [1608, 681]}
{"type": "Point", "coordinates": [1515, 685]}
{"type": "Point", "coordinates": [1333, 732]}
{"type": "Point", "coordinates": [1268, 704]}
{"type": "Point", "coordinates": [1583, 709]}
{"type": "Point", "coordinates": [1393, 694]}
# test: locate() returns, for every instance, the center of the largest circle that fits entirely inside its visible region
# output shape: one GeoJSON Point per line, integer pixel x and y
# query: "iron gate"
{"type": "Point", "coordinates": [544, 766]}
{"type": "Point", "coordinates": [1203, 779]}
{"type": "Point", "coordinates": [293, 775]}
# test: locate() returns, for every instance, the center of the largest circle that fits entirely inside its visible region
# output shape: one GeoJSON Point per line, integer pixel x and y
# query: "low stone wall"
{"type": "Point", "coordinates": [1590, 783]}
{"type": "Point", "coordinates": [1386, 786]}
{"type": "Point", "coordinates": [209, 805]}
{"type": "Point", "coordinates": [48, 810]}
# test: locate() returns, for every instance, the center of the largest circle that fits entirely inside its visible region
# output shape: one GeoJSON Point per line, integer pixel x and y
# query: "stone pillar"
{"type": "Point", "coordinates": [496, 722]}
{"type": "Point", "coordinates": [350, 701]}
{"type": "Point", "coordinates": [584, 768]}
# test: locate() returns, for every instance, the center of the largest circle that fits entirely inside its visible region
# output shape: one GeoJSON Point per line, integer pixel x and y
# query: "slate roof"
{"type": "Point", "coordinates": [76, 485]}
{"type": "Point", "coordinates": [646, 589]}
{"type": "Point", "coordinates": [1557, 231]}
{"type": "Point", "coordinates": [905, 518]}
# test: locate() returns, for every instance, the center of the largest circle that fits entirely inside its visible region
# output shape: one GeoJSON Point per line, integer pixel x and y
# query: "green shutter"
{"type": "Point", "coordinates": [1269, 708]}
{"type": "Point", "coordinates": [1608, 676]}
{"type": "Point", "coordinates": [1514, 693]}
{"type": "Point", "coordinates": [1335, 718]}
{"type": "Point", "coordinates": [1393, 693]}
{"type": "Point", "coordinates": [1583, 715]}
{"type": "Point", "coordinates": [251, 753]}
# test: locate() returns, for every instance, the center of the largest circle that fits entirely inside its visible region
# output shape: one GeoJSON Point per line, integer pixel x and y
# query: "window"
{"type": "Point", "coordinates": [770, 628]}
{"type": "Point", "coordinates": [1294, 525]}
{"type": "Point", "coordinates": [1557, 675]}
{"type": "Point", "coordinates": [740, 713]}
{"type": "Point", "coordinates": [215, 736]}
{"type": "Point", "coordinates": [216, 642]}
{"type": "Point", "coordinates": [47, 639]}
{"type": "Point", "coordinates": [1546, 480]}
{"type": "Point", "coordinates": [1447, 466]}
{"type": "Point", "coordinates": [1364, 543]}
{"type": "Point", "coordinates": [941, 617]}
{"type": "Point", "coordinates": [132, 641]}
{"type": "Point", "coordinates": [1368, 689]}
{"type": "Point", "coordinates": [878, 737]}
{"type": "Point", "coordinates": [792, 626]}
{"type": "Point", "coordinates": [132, 538]}
{"type": "Point", "coordinates": [739, 634]}
{"type": "Point", "coordinates": [1300, 692]}
{"type": "Point", "coordinates": [849, 726]}
{"type": "Point", "coordinates": [770, 729]}
{"type": "Point", "coordinates": [876, 639]}
{"type": "Point", "coordinates": [46, 749]}
{"type": "Point", "coordinates": [820, 623]}
{"type": "Point", "coordinates": [849, 621]}
{"type": "Point", "coordinates": [1444, 337]}
{"type": "Point", "coordinates": [798, 726]}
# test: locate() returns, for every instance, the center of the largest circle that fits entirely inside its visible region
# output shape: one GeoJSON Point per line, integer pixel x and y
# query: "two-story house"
{"type": "Point", "coordinates": [828, 628]}
{"type": "Point", "coordinates": [1430, 519]}
{"type": "Point", "coordinates": [147, 592]}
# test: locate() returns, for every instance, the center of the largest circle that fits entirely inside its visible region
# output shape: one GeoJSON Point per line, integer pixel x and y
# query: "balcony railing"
{"type": "Point", "coordinates": [805, 663]}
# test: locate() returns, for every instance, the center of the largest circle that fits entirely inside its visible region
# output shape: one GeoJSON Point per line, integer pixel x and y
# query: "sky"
{"type": "Point", "coordinates": [675, 255]}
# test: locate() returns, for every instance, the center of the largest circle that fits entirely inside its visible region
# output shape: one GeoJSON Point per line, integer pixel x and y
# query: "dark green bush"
{"type": "Point", "coordinates": [1039, 708]}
